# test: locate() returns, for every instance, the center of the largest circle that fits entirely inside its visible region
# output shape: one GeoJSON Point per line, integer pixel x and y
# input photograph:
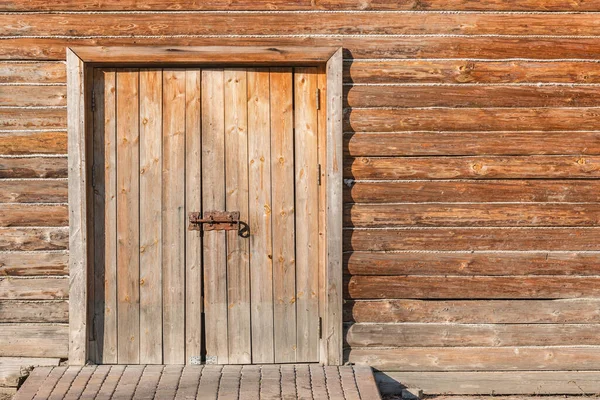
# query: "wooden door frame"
{"type": "Point", "coordinates": [81, 60]}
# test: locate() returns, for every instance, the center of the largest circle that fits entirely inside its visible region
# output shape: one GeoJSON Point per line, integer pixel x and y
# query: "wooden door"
{"type": "Point", "coordinates": [168, 142]}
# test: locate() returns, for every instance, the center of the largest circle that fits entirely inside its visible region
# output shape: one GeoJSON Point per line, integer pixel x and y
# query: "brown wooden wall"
{"type": "Point", "coordinates": [472, 164]}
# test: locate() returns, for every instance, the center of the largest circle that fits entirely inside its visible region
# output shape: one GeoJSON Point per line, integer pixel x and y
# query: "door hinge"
{"type": "Point", "coordinates": [320, 328]}
{"type": "Point", "coordinates": [319, 174]}
{"type": "Point", "coordinates": [318, 99]}
{"type": "Point", "coordinates": [93, 101]}
{"type": "Point", "coordinates": [93, 176]}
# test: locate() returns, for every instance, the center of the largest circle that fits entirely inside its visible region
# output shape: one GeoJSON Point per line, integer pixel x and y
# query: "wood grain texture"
{"type": "Point", "coordinates": [36, 72]}
{"type": "Point", "coordinates": [29, 239]}
{"type": "Point", "coordinates": [32, 95]}
{"type": "Point", "coordinates": [33, 215]}
{"type": "Point", "coordinates": [33, 191]}
{"type": "Point", "coordinates": [456, 335]}
{"type": "Point", "coordinates": [15, 119]}
{"type": "Point", "coordinates": [486, 167]}
{"type": "Point", "coordinates": [455, 5]}
{"type": "Point", "coordinates": [471, 143]}
{"type": "Point", "coordinates": [369, 47]}
{"type": "Point", "coordinates": [470, 239]}
{"type": "Point", "coordinates": [478, 287]}
{"type": "Point", "coordinates": [283, 23]}
{"type": "Point", "coordinates": [173, 208]}
{"type": "Point", "coordinates": [33, 167]}
{"type": "Point", "coordinates": [469, 71]}
{"type": "Point", "coordinates": [482, 214]}
{"type": "Point", "coordinates": [478, 358]}
{"type": "Point", "coordinates": [34, 263]}
{"type": "Point", "coordinates": [456, 191]}
{"type": "Point", "coordinates": [469, 119]}
{"type": "Point", "coordinates": [459, 96]}
{"type": "Point", "coordinates": [34, 340]}
{"type": "Point", "coordinates": [34, 289]}
{"type": "Point", "coordinates": [33, 142]}
{"type": "Point", "coordinates": [18, 311]}
{"type": "Point", "coordinates": [571, 311]}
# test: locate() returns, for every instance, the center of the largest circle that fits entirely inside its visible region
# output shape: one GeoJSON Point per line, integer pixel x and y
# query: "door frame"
{"type": "Point", "coordinates": [81, 60]}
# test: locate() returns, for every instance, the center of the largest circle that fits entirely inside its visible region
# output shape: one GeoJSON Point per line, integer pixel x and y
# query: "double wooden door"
{"type": "Point", "coordinates": [168, 142]}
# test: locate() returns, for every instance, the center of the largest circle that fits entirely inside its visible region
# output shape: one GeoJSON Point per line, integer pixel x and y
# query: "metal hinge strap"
{"type": "Point", "coordinates": [318, 99]}
{"type": "Point", "coordinates": [320, 328]}
{"type": "Point", "coordinates": [93, 101]}
{"type": "Point", "coordinates": [319, 174]}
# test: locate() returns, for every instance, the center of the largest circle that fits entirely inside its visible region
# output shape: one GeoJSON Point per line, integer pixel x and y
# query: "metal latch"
{"type": "Point", "coordinates": [218, 221]}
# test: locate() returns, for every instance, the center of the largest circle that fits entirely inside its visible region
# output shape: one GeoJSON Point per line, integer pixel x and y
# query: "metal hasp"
{"type": "Point", "coordinates": [215, 221]}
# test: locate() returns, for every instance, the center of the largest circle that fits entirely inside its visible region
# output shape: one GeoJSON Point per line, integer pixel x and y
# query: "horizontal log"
{"type": "Point", "coordinates": [25, 142]}
{"type": "Point", "coordinates": [34, 340]}
{"type": "Point", "coordinates": [157, 5]}
{"type": "Point", "coordinates": [355, 47]}
{"type": "Point", "coordinates": [33, 167]}
{"type": "Point", "coordinates": [10, 378]}
{"type": "Point", "coordinates": [34, 263]}
{"type": "Point", "coordinates": [449, 214]}
{"type": "Point", "coordinates": [34, 289]}
{"type": "Point", "coordinates": [468, 96]}
{"type": "Point", "coordinates": [34, 311]}
{"type": "Point", "coordinates": [31, 95]}
{"type": "Point", "coordinates": [467, 71]}
{"type": "Point", "coordinates": [34, 215]}
{"type": "Point", "coordinates": [490, 167]}
{"type": "Point", "coordinates": [32, 72]}
{"type": "Point", "coordinates": [471, 143]}
{"type": "Point", "coordinates": [29, 239]}
{"type": "Point", "coordinates": [478, 287]}
{"type": "Point", "coordinates": [285, 23]}
{"type": "Point", "coordinates": [475, 191]}
{"type": "Point", "coordinates": [471, 119]}
{"type": "Point", "coordinates": [33, 191]}
{"type": "Point", "coordinates": [439, 239]}
{"type": "Point", "coordinates": [461, 335]}
{"type": "Point", "coordinates": [571, 311]}
{"type": "Point", "coordinates": [33, 118]}
{"type": "Point", "coordinates": [469, 263]}
{"type": "Point", "coordinates": [478, 358]}
{"type": "Point", "coordinates": [496, 383]}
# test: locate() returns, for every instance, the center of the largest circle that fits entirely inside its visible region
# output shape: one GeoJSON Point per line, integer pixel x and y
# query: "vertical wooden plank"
{"type": "Point", "coordinates": [213, 198]}
{"type": "Point", "coordinates": [288, 382]}
{"type": "Point", "coordinates": [282, 174]}
{"type": "Point", "coordinates": [128, 218]}
{"type": "Point", "coordinates": [193, 202]}
{"type": "Point", "coordinates": [105, 217]}
{"type": "Point", "coordinates": [349, 383]}
{"type": "Point", "coordinates": [333, 381]}
{"type": "Point", "coordinates": [150, 216]}
{"type": "Point", "coordinates": [236, 177]}
{"type": "Point", "coordinates": [78, 210]}
{"type": "Point", "coordinates": [303, 382]}
{"type": "Point", "coordinates": [270, 382]}
{"type": "Point", "coordinates": [307, 222]}
{"type": "Point", "coordinates": [332, 324]}
{"type": "Point", "coordinates": [173, 217]}
{"type": "Point", "coordinates": [259, 193]}
{"type": "Point", "coordinates": [318, 383]}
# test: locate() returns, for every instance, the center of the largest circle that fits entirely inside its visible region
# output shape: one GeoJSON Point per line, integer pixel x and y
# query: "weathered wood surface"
{"type": "Point", "coordinates": [27, 238]}
{"type": "Point", "coordinates": [456, 191]}
{"type": "Point", "coordinates": [470, 263]}
{"type": "Point", "coordinates": [33, 167]}
{"type": "Point", "coordinates": [34, 340]}
{"type": "Point", "coordinates": [461, 335]}
{"type": "Point", "coordinates": [34, 289]}
{"type": "Point", "coordinates": [471, 238]}
{"type": "Point", "coordinates": [478, 287]}
{"type": "Point", "coordinates": [33, 142]}
{"type": "Point", "coordinates": [471, 143]}
{"type": "Point", "coordinates": [285, 23]}
{"type": "Point", "coordinates": [358, 47]}
{"type": "Point", "coordinates": [470, 71]}
{"type": "Point", "coordinates": [34, 263]}
{"type": "Point", "coordinates": [32, 118]}
{"type": "Point", "coordinates": [32, 72]}
{"type": "Point", "coordinates": [570, 311]}
{"type": "Point", "coordinates": [32, 95]}
{"type": "Point", "coordinates": [500, 383]}
{"type": "Point", "coordinates": [33, 215]}
{"type": "Point", "coordinates": [517, 167]}
{"type": "Point", "coordinates": [478, 358]}
{"type": "Point", "coordinates": [34, 311]}
{"type": "Point", "coordinates": [33, 191]}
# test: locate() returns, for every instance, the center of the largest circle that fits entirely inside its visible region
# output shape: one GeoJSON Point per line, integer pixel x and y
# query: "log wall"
{"type": "Point", "coordinates": [472, 167]}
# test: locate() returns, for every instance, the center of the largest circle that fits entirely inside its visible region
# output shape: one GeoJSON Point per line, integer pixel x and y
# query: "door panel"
{"type": "Point", "coordinates": [173, 141]}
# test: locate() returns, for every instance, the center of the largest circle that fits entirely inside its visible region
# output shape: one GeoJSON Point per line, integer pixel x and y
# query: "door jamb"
{"type": "Point", "coordinates": [81, 60]}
